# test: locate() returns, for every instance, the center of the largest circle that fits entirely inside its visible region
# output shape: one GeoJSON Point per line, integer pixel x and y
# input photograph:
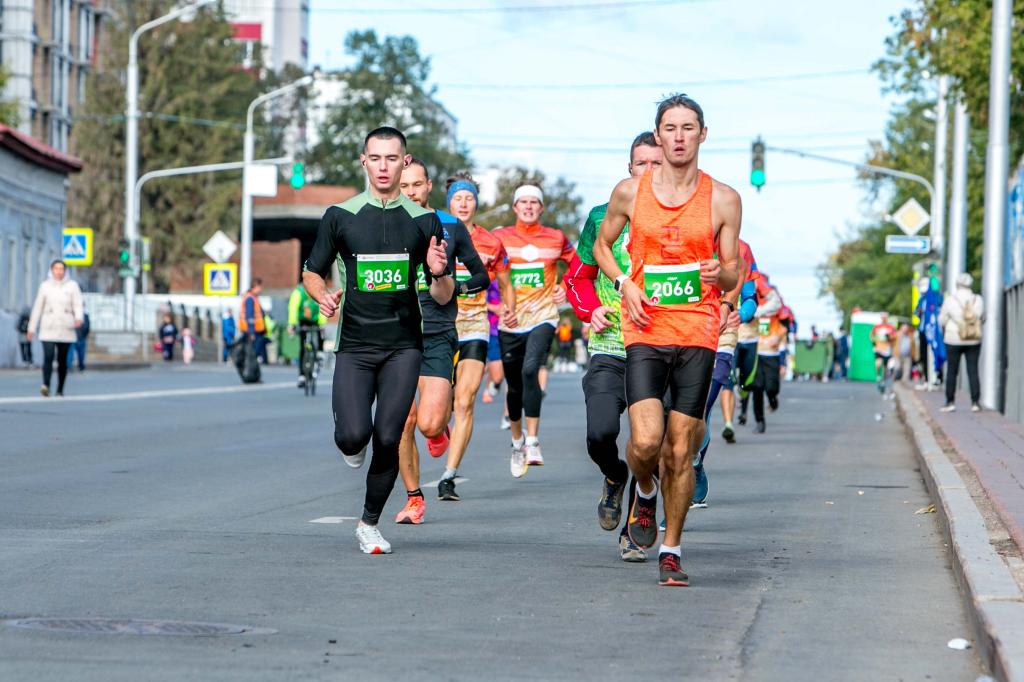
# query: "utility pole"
{"type": "Point", "coordinates": [997, 165]}
{"type": "Point", "coordinates": [937, 227]}
{"type": "Point", "coordinates": [956, 245]}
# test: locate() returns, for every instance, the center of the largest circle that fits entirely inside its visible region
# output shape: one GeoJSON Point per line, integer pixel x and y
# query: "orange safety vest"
{"type": "Point", "coordinates": [565, 333]}
{"type": "Point", "coordinates": [243, 324]}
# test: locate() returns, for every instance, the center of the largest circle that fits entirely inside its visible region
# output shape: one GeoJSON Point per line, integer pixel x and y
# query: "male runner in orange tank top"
{"type": "Point", "coordinates": [684, 243]}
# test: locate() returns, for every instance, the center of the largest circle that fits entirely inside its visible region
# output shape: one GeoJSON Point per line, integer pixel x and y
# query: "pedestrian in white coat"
{"type": "Point", "coordinates": [961, 320]}
{"type": "Point", "coordinates": [57, 313]}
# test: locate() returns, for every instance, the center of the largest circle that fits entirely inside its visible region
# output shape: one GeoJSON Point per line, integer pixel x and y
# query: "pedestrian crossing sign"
{"type": "Point", "coordinates": [220, 279]}
{"type": "Point", "coordinates": [76, 246]}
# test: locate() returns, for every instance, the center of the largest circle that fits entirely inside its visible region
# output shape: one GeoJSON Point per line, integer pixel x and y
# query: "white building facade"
{"type": "Point", "coordinates": [280, 26]}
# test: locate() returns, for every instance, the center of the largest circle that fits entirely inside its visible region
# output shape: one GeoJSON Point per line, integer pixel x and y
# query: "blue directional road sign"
{"type": "Point", "coordinates": [220, 279]}
{"type": "Point", "coordinates": [76, 246]}
{"type": "Point", "coordinates": [912, 245]}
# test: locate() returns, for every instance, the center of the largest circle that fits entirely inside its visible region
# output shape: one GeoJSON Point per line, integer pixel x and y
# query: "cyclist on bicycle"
{"type": "Point", "coordinates": [305, 318]}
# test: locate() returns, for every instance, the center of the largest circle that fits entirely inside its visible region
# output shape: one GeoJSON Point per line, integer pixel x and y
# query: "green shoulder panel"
{"type": "Point", "coordinates": [585, 248]}
{"type": "Point", "coordinates": [356, 203]}
{"type": "Point", "coordinates": [411, 207]}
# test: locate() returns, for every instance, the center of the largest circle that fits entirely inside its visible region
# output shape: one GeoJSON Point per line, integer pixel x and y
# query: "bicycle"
{"type": "Point", "coordinates": [309, 356]}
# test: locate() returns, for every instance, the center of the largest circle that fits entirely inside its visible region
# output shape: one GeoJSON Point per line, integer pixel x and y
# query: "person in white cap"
{"type": "Point", "coordinates": [960, 319]}
{"type": "Point", "coordinates": [533, 252]}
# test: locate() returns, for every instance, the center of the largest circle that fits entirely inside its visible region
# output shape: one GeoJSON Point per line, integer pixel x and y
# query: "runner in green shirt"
{"type": "Point", "coordinates": [595, 300]}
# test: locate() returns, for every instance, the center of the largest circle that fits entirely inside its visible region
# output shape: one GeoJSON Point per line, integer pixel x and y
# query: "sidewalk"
{"type": "Point", "coordinates": [973, 464]}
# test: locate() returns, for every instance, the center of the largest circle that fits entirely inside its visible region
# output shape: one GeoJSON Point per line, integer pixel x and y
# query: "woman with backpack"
{"type": "Point", "coordinates": [58, 312]}
{"type": "Point", "coordinates": [960, 319]}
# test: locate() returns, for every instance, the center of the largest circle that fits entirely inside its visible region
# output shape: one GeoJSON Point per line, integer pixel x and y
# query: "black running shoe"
{"type": "Point", "coordinates": [742, 419]}
{"type": "Point", "coordinates": [670, 573]}
{"type": "Point", "coordinates": [773, 403]}
{"type": "Point", "coordinates": [446, 490]}
{"type": "Point", "coordinates": [643, 524]}
{"type": "Point", "coordinates": [728, 434]}
{"type": "Point", "coordinates": [759, 427]}
{"type": "Point", "coordinates": [609, 507]}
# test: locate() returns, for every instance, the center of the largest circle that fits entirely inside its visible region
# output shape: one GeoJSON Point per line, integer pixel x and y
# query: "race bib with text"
{"type": "Point", "coordinates": [528, 275]}
{"type": "Point", "coordinates": [672, 284]}
{"type": "Point", "coordinates": [380, 272]}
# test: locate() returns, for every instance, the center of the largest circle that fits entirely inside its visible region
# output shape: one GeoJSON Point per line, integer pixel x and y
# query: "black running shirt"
{"type": "Point", "coordinates": [379, 248]}
{"type": "Point", "coordinates": [470, 274]}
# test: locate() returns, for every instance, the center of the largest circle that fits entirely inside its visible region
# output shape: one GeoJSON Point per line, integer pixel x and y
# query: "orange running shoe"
{"type": "Point", "coordinates": [439, 444]}
{"type": "Point", "coordinates": [413, 511]}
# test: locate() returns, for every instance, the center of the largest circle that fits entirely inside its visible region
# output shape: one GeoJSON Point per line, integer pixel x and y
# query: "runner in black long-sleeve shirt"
{"type": "Point", "coordinates": [380, 240]}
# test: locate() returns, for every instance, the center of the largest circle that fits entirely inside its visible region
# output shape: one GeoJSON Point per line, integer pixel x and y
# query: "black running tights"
{"type": "Point", "coordinates": [362, 377]}
{"type": "Point", "coordinates": [522, 356]}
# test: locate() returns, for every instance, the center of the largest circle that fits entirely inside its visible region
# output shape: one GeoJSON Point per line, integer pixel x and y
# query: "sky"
{"type": "Point", "coordinates": [565, 90]}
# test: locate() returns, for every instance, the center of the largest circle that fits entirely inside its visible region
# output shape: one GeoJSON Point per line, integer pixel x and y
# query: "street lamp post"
{"type": "Point", "coordinates": [249, 150]}
{"type": "Point", "coordinates": [131, 145]}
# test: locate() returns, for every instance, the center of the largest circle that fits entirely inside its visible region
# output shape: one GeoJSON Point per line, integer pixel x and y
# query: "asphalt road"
{"type": "Point", "coordinates": [177, 494]}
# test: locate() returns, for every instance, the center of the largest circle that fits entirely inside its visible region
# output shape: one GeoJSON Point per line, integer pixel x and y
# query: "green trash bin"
{"type": "Point", "coordinates": [862, 351]}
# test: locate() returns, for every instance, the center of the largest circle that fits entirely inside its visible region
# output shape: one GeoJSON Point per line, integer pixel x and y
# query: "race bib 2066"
{"type": "Point", "coordinates": [672, 284]}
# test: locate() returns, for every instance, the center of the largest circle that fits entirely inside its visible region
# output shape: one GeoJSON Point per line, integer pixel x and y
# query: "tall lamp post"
{"type": "Point", "coordinates": [245, 256]}
{"type": "Point", "coordinates": [131, 146]}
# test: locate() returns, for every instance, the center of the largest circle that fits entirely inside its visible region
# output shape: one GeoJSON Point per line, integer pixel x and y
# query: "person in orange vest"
{"type": "Point", "coordinates": [564, 346]}
{"type": "Point", "coordinates": [250, 321]}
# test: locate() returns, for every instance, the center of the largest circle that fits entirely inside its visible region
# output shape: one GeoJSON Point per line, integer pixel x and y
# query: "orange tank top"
{"type": "Point", "coordinates": [666, 245]}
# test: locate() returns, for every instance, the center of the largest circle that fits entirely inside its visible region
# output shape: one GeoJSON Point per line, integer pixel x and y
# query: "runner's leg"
{"type": "Point", "coordinates": [513, 353]}
{"type": "Point", "coordinates": [468, 376]}
{"type": "Point", "coordinates": [604, 393]}
{"type": "Point", "coordinates": [538, 346]}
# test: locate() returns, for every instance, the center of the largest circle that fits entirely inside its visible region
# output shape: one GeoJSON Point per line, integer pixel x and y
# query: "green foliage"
{"type": "Point", "coordinates": [562, 206]}
{"type": "Point", "coordinates": [386, 86]}
{"type": "Point", "coordinates": [193, 97]}
{"type": "Point", "coordinates": [937, 36]}
{"type": "Point", "coordinates": [8, 109]}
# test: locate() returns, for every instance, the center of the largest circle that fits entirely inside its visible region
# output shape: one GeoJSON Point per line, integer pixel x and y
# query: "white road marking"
{"type": "Point", "coordinates": [458, 479]}
{"type": "Point", "coordinates": [334, 519]}
{"type": "Point", "coordinates": [135, 395]}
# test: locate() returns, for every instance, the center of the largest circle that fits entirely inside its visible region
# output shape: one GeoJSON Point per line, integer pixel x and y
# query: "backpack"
{"type": "Point", "coordinates": [970, 323]}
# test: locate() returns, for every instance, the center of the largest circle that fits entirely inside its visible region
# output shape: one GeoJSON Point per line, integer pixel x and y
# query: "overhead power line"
{"type": "Point", "coordinates": [681, 83]}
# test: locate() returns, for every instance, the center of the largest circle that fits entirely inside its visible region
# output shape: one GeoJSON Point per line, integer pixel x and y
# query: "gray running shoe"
{"type": "Point", "coordinates": [609, 508]}
{"type": "Point", "coordinates": [629, 552]}
{"type": "Point", "coordinates": [642, 524]}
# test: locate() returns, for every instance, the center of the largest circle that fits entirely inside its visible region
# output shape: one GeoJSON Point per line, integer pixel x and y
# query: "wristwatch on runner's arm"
{"type": "Point", "coordinates": [619, 280]}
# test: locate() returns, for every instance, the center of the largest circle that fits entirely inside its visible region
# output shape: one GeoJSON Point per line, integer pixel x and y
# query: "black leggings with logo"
{"type": "Point", "coordinates": [522, 356]}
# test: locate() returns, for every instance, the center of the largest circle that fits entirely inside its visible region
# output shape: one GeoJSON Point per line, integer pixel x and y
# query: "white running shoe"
{"type": "Point", "coordinates": [370, 539]}
{"type": "Point", "coordinates": [518, 464]}
{"type": "Point", "coordinates": [505, 423]}
{"type": "Point", "coordinates": [355, 461]}
{"type": "Point", "coordinates": [949, 407]}
{"type": "Point", "coordinates": [533, 456]}
{"type": "Point", "coordinates": [491, 389]}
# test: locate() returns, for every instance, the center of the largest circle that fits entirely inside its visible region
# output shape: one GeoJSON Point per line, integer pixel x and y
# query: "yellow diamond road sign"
{"type": "Point", "coordinates": [220, 279]}
{"type": "Point", "coordinates": [911, 217]}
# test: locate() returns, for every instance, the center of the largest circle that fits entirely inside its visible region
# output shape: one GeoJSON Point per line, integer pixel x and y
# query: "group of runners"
{"type": "Point", "coordinates": [673, 297]}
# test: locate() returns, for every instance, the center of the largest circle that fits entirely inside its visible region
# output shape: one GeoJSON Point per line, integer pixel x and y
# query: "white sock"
{"type": "Point", "coordinates": [665, 549]}
{"type": "Point", "coordinates": [518, 442]}
{"type": "Point", "coordinates": [532, 440]}
{"type": "Point", "coordinates": [647, 496]}
{"type": "Point", "coordinates": [448, 473]}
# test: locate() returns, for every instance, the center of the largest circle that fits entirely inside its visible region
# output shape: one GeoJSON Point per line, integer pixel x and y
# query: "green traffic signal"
{"type": "Point", "coordinates": [757, 176]}
{"type": "Point", "coordinates": [298, 176]}
{"type": "Point", "coordinates": [124, 253]}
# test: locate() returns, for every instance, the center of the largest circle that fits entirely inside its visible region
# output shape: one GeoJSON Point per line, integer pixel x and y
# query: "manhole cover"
{"type": "Point", "coordinates": [131, 626]}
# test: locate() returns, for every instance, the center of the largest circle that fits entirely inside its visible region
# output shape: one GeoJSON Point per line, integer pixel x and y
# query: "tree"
{"type": "Point", "coordinates": [193, 97]}
{"type": "Point", "coordinates": [386, 86]}
{"type": "Point", "coordinates": [935, 37]}
{"type": "Point", "coordinates": [562, 206]}
{"type": "Point", "coordinates": [8, 109]}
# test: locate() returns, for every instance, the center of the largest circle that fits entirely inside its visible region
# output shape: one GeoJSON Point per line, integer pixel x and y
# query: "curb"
{"type": "Point", "coordinates": [993, 599]}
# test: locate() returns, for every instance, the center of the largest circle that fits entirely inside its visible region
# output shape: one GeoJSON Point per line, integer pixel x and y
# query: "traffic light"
{"type": "Point", "coordinates": [298, 176]}
{"type": "Point", "coordinates": [124, 253]}
{"type": "Point", "coordinates": [757, 177]}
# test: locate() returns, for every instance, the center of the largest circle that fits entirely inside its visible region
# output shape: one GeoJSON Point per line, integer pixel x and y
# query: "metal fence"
{"type": "Point", "coordinates": [1014, 374]}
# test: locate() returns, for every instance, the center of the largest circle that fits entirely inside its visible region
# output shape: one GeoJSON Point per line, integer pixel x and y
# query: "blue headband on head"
{"type": "Point", "coordinates": [459, 185]}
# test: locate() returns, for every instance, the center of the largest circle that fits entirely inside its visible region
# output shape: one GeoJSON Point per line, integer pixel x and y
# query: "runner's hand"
{"type": "Point", "coordinates": [559, 295]}
{"type": "Point", "coordinates": [734, 320]}
{"type": "Point", "coordinates": [437, 259]}
{"type": "Point", "coordinates": [599, 319]}
{"type": "Point", "coordinates": [330, 303]}
{"type": "Point", "coordinates": [509, 317]}
{"type": "Point", "coordinates": [710, 270]}
{"type": "Point", "coordinates": [29, 335]}
{"type": "Point", "coordinates": [634, 300]}
{"type": "Point", "coordinates": [729, 319]}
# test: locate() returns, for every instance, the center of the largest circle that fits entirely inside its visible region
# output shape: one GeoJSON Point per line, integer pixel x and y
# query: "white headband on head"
{"type": "Point", "coordinates": [528, 191]}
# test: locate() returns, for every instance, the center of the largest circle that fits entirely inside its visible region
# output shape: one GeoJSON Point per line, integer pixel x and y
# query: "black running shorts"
{"type": "Point", "coordinates": [473, 350]}
{"type": "Point", "coordinates": [439, 354]}
{"type": "Point", "coordinates": [684, 371]}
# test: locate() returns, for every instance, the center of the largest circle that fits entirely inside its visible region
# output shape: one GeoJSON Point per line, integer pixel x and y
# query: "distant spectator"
{"type": "Point", "coordinates": [251, 321]}
{"type": "Point", "coordinates": [168, 337]}
{"type": "Point", "coordinates": [57, 313]}
{"type": "Point", "coordinates": [904, 352]}
{"type": "Point", "coordinates": [23, 341]}
{"type": "Point", "coordinates": [842, 354]}
{"type": "Point", "coordinates": [188, 346]}
{"type": "Point", "coordinates": [227, 332]}
{"type": "Point", "coordinates": [81, 340]}
{"type": "Point", "coordinates": [960, 318]}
